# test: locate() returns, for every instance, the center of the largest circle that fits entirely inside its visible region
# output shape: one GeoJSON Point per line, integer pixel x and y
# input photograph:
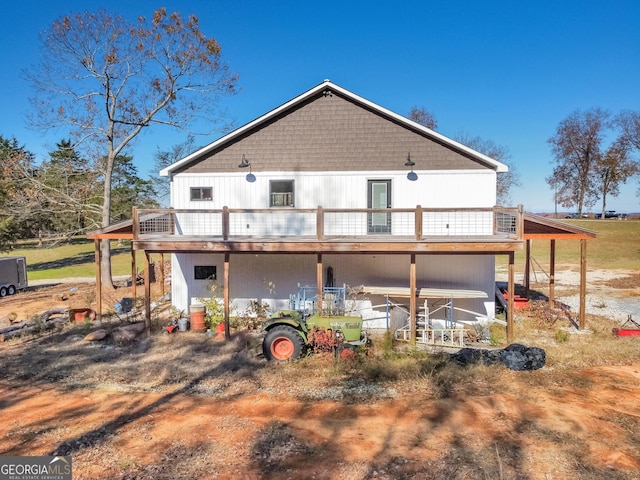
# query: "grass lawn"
{"type": "Point", "coordinates": [73, 259]}
{"type": "Point", "coordinates": [616, 247]}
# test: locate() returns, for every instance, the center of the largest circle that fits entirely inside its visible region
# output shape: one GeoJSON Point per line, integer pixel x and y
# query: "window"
{"type": "Point", "coordinates": [204, 272]}
{"type": "Point", "coordinates": [201, 194]}
{"type": "Point", "coordinates": [281, 193]}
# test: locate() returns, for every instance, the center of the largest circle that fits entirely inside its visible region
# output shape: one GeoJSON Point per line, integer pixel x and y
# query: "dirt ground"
{"type": "Point", "coordinates": [189, 406]}
{"type": "Point", "coordinates": [564, 433]}
{"type": "Point", "coordinates": [67, 294]}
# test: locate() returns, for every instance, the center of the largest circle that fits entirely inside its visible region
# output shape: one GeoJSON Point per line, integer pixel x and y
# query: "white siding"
{"type": "Point", "coordinates": [455, 189]}
{"type": "Point", "coordinates": [272, 278]}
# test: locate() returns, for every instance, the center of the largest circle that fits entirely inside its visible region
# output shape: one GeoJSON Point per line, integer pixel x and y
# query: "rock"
{"type": "Point", "coordinates": [128, 333]}
{"type": "Point", "coordinates": [96, 335]}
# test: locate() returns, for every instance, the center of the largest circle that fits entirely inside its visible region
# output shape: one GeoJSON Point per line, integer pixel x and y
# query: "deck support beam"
{"type": "Point", "coordinates": [225, 289]}
{"type": "Point", "coordinates": [527, 267]}
{"type": "Point", "coordinates": [98, 259]}
{"type": "Point", "coordinates": [319, 280]}
{"type": "Point", "coordinates": [583, 281]}
{"type": "Point", "coordinates": [552, 274]}
{"type": "Point", "coordinates": [162, 274]}
{"type": "Point", "coordinates": [134, 275]}
{"type": "Point", "coordinates": [511, 290]}
{"type": "Point", "coordinates": [412, 298]}
{"type": "Point", "coordinates": [147, 293]}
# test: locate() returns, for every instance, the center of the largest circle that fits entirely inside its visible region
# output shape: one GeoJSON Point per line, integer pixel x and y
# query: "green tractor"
{"type": "Point", "coordinates": [291, 333]}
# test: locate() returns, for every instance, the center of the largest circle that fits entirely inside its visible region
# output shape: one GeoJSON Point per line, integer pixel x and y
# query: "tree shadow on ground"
{"type": "Point", "coordinates": [67, 361]}
{"type": "Point", "coordinates": [34, 244]}
{"type": "Point", "coordinates": [79, 259]}
{"type": "Point", "coordinates": [108, 429]}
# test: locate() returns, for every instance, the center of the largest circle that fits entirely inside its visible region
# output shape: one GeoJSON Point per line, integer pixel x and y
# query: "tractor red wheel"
{"type": "Point", "coordinates": [282, 343]}
{"type": "Point", "coordinates": [282, 348]}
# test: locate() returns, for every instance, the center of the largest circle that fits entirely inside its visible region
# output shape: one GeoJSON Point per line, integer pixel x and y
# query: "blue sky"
{"type": "Point", "coordinates": [507, 71]}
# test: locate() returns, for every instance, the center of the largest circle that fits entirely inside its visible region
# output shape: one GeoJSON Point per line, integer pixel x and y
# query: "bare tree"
{"type": "Point", "coordinates": [576, 147]}
{"type": "Point", "coordinates": [424, 117]}
{"type": "Point", "coordinates": [614, 168]}
{"type": "Point", "coordinates": [106, 80]}
{"type": "Point", "coordinates": [505, 181]}
{"type": "Point", "coordinates": [163, 159]}
{"type": "Point", "coordinates": [630, 124]}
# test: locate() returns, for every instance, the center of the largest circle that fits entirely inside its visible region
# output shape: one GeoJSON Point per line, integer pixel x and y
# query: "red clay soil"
{"type": "Point", "coordinates": [112, 434]}
{"type": "Point", "coordinates": [588, 430]}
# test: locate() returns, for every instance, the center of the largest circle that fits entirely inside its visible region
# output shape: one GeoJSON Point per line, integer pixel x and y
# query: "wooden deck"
{"type": "Point", "coordinates": [156, 231]}
{"type": "Point", "coordinates": [184, 244]}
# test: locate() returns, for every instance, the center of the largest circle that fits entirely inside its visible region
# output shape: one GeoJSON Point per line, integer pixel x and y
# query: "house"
{"type": "Point", "coordinates": [333, 189]}
{"type": "Point", "coordinates": [333, 185]}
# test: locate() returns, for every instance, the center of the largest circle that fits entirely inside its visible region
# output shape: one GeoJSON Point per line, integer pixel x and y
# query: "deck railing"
{"type": "Point", "coordinates": [326, 223]}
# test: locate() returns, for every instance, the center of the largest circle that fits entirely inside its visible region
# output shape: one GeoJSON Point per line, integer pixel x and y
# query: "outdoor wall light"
{"type": "Point", "coordinates": [408, 163]}
{"type": "Point", "coordinates": [244, 164]}
{"type": "Point", "coordinates": [413, 176]}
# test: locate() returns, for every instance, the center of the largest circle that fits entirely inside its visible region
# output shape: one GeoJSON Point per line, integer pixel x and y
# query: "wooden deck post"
{"type": "Point", "coordinates": [511, 290]}
{"type": "Point", "coordinates": [225, 223]}
{"type": "Point", "coordinates": [135, 232]}
{"type": "Point", "coordinates": [412, 298]}
{"type": "Point", "coordinates": [134, 274]}
{"type": "Point", "coordinates": [319, 306]}
{"type": "Point", "coordinates": [98, 258]}
{"type": "Point", "coordinates": [527, 267]}
{"type": "Point", "coordinates": [583, 281]}
{"type": "Point", "coordinates": [552, 274]}
{"type": "Point", "coordinates": [147, 293]}
{"type": "Point", "coordinates": [162, 274]}
{"type": "Point", "coordinates": [135, 223]}
{"type": "Point", "coordinates": [520, 228]}
{"type": "Point", "coordinates": [320, 223]}
{"type": "Point", "coordinates": [227, 333]}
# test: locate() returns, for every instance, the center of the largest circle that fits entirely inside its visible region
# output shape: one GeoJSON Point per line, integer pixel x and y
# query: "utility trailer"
{"type": "Point", "coordinates": [13, 275]}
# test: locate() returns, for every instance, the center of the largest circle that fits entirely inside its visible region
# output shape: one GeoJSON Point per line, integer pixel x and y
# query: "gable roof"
{"type": "Point", "coordinates": [327, 86]}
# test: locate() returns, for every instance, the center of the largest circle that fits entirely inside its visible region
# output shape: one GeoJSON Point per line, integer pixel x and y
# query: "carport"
{"type": "Point", "coordinates": [543, 228]}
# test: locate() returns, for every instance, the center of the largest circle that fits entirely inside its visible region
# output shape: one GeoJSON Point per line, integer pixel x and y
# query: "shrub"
{"type": "Point", "coordinates": [561, 336]}
{"type": "Point", "coordinates": [252, 317]}
{"type": "Point", "coordinates": [214, 309]}
{"type": "Point", "coordinates": [496, 334]}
